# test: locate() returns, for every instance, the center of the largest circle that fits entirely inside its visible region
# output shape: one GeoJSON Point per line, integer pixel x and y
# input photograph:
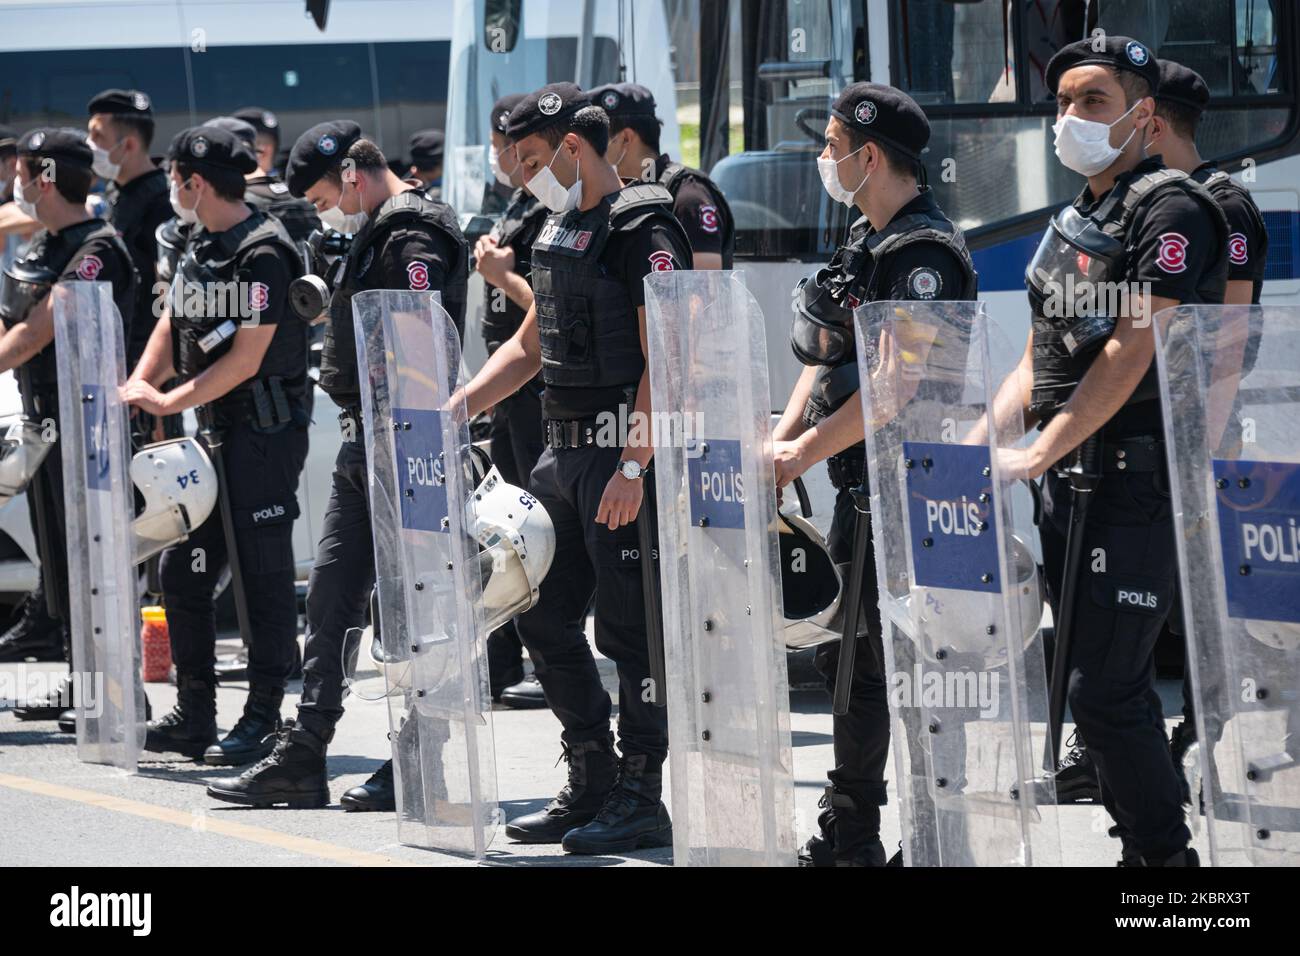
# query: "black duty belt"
{"type": "Point", "coordinates": [846, 471]}
{"type": "Point", "coordinates": [1125, 456]}
{"type": "Point", "coordinates": [569, 433]}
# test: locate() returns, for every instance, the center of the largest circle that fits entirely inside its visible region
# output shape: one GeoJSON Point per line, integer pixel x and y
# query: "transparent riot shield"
{"type": "Point", "coordinates": [960, 600]}
{"type": "Point", "coordinates": [99, 506]}
{"type": "Point", "coordinates": [431, 626]}
{"type": "Point", "coordinates": [727, 695]}
{"type": "Point", "coordinates": [1230, 379]}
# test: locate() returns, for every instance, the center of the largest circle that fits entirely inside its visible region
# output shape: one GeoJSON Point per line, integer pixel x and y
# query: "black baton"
{"type": "Point", "coordinates": [213, 438]}
{"type": "Point", "coordinates": [654, 626]}
{"type": "Point", "coordinates": [851, 606]}
{"type": "Point", "coordinates": [1083, 475]}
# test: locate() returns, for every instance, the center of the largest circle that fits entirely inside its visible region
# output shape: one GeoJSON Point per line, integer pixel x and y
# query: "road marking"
{"type": "Point", "coordinates": [203, 823]}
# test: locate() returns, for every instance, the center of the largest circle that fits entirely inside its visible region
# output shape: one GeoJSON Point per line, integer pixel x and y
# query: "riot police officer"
{"type": "Point", "coordinates": [698, 203]}
{"type": "Point", "coordinates": [267, 146]}
{"type": "Point", "coordinates": [901, 247]}
{"type": "Point", "coordinates": [1139, 238]}
{"type": "Point", "coordinates": [426, 161]}
{"type": "Point", "coordinates": [239, 356]}
{"type": "Point", "coordinates": [504, 259]}
{"type": "Point", "coordinates": [585, 332]}
{"type": "Point", "coordinates": [265, 191]}
{"type": "Point", "coordinates": [52, 179]}
{"type": "Point", "coordinates": [402, 240]}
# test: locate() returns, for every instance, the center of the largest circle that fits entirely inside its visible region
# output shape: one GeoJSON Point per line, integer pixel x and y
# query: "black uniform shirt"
{"type": "Point", "coordinates": [1247, 237]}
{"type": "Point", "coordinates": [418, 259]}
{"type": "Point", "coordinates": [137, 214]}
{"type": "Point", "coordinates": [696, 208]}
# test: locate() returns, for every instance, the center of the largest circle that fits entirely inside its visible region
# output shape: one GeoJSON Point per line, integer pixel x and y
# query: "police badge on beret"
{"type": "Point", "coordinates": [327, 145]}
{"type": "Point", "coordinates": [269, 120]}
{"type": "Point", "coordinates": [609, 100]}
{"type": "Point", "coordinates": [865, 112]}
{"type": "Point", "coordinates": [198, 147]}
{"type": "Point", "coordinates": [140, 101]}
{"type": "Point", "coordinates": [1137, 54]}
{"type": "Point", "coordinates": [924, 283]}
{"type": "Point", "coordinates": [550, 104]}
{"type": "Point", "coordinates": [35, 142]}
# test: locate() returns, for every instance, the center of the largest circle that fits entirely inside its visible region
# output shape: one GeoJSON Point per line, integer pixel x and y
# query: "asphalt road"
{"type": "Point", "coordinates": [57, 810]}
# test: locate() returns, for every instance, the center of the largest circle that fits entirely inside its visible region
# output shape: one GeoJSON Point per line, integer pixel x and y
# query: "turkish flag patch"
{"type": "Point", "coordinates": [661, 261]}
{"type": "Point", "coordinates": [1238, 249]}
{"type": "Point", "coordinates": [417, 274]}
{"type": "Point", "coordinates": [709, 218]}
{"type": "Point", "coordinates": [259, 296]}
{"type": "Point", "coordinates": [1172, 255]}
{"type": "Point", "coordinates": [89, 267]}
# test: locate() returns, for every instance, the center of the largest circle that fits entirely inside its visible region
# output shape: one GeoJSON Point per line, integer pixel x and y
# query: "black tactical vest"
{"type": "Point", "coordinates": [586, 322]}
{"type": "Point", "coordinates": [29, 279]}
{"type": "Point", "coordinates": [675, 174]}
{"type": "Point", "coordinates": [204, 325]}
{"type": "Point", "coordinates": [1081, 250]}
{"type": "Point", "coordinates": [517, 230]}
{"type": "Point", "coordinates": [407, 211]}
{"type": "Point", "coordinates": [271, 196]}
{"type": "Point", "coordinates": [863, 269]}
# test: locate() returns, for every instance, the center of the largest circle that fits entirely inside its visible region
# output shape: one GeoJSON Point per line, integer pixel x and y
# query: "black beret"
{"type": "Point", "coordinates": [501, 111]}
{"type": "Point", "coordinates": [62, 144]}
{"type": "Point", "coordinates": [548, 106]}
{"type": "Point", "coordinates": [426, 148]}
{"type": "Point", "coordinates": [263, 121]}
{"type": "Point", "coordinates": [624, 99]}
{"type": "Point", "coordinates": [1182, 85]}
{"type": "Point", "coordinates": [1120, 53]}
{"type": "Point", "coordinates": [317, 151]}
{"type": "Point", "coordinates": [885, 114]}
{"type": "Point", "coordinates": [213, 147]}
{"type": "Point", "coordinates": [241, 128]}
{"type": "Point", "coordinates": [130, 102]}
{"type": "Point", "coordinates": [8, 140]}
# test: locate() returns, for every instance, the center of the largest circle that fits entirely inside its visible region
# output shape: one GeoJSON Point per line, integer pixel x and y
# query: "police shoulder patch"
{"type": "Point", "coordinates": [709, 218]}
{"type": "Point", "coordinates": [89, 267]}
{"type": "Point", "coordinates": [924, 283]}
{"type": "Point", "coordinates": [417, 274]}
{"type": "Point", "coordinates": [661, 261]}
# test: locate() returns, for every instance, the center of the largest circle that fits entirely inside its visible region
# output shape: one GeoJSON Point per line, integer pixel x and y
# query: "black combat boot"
{"type": "Point", "coordinates": [293, 774]}
{"type": "Point", "coordinates": [1180, 741]}
{"type": "Point", "coordinates": [191, 726]}
{"type": "Point", "coordinates": [850, 833]}
{"type": "Point", "coordinates": [253, 737]}
{"type": "Point", "coordinates": [35, 636]}
{"type": "Point", "coordinates": [633, 817]}
{"type": "Point", "coordinates": [52, 706]}
{"type": "Point", "coordinates": [593, 767]}
{"type": "Point", "coordinates": [376, 794]}
{"type": "Point", "coordinates": [1076, 776]}
{"type": "Point", "coordinates": [525, 695]}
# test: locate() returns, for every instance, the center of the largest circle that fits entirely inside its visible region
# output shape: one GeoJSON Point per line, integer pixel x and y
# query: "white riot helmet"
{"type": "Point", "coordinates": [957, 622]}
{"type": "Point", "coordinates": [178, 486]}
{"type": "Point", "coordinates": [22, 450]}
{"type": "Point", "coordinates": [811, 584]}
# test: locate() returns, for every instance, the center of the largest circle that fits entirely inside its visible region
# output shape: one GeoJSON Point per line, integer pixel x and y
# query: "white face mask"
{"type": "Point", "coordinates": [829, 170]}
{"type": "Point", "coordinates": [498, 173]}
{"type": "Point", "coordinates": [339, 221]}
{"type": "Point", "coordinates": [189, 216]}
{"type": "Point", "coordinates": [550, 193]}
{"type": "Point", "coordinates": [25, 206]}
{"type": "Point", "coordinates": [618, 162]}
{"type": "Point", "coordinates": [103, 162]}
{"type": "Point", "coordinates": [1084, 145]}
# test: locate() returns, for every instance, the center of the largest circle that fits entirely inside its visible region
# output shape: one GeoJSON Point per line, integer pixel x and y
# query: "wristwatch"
{"type": "Point", "coordinates": [630, 470]}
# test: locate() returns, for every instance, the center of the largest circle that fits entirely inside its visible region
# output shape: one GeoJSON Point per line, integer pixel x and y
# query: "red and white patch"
{"type": "Point", "coordinates": [1238, 249]}
{"type": "Point", "coordinates": [417, 274]}
{"type": "Point", "coordinates": [89, 267]}
{"type": "Point", "coordinates": [259, 296]}
{"type": "Point", "coordinates": [709, 218]}
{"type": "Point", "coordinates": [661, 261]}
{"type": "Point", "coordinates": [1083, 260]}
{"type": "Point", "coordinates": [1172, 257]}
{"type": "Point", "coordinates": [582, 240]}
{"type": "Point", "coordinates": [851, 300]}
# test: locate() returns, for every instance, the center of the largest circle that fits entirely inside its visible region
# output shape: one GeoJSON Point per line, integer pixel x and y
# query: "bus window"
{"type": "Point", "coordinates": [948, 52]}
{"type": "Point", "coordinates": [501, 25]}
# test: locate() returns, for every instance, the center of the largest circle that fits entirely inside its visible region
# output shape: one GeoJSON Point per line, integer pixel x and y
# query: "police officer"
{"type": "Point", "coordinates": [265, 191]}
{"type": "Point", "coordinates": [1158, 237]}
{"type": "Point", "coordinates": [52, 179]}
{"type": "Point", "coordinates": [585, 332]}
{"type": "Point", "coordinates": [402, 240]}
{"type": "Point", "coordinates": [239, 356]}
{"type": "Point", "coordinates": [267, 147]}
{"type": "Point", "coordinates": [503, 258]}
{"type": "Point", "coordinates": [698, 203]}
{"type": "Point", "coordinates": [426, 161]}
{"type": "Point", "coordinates": [901, 247]}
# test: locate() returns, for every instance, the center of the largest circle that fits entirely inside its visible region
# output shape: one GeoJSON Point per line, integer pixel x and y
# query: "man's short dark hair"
{"type": "Point", "coordinates": [72, 181]}
{"type": "Point", "coordinates": [1184, 120]}
{"type": "Point", "coordinates": [591, 123]}
{"type": "Point", "coordinates": [895, 159]}
{"type": "Point", "coordinates": [226, 183]}
{"type": "Point", "coordinates": [1135, 87]}
{"type": "Point", "coordinates": [365, 156]}
{"type": "Point", "coordinates": [127, 124]}
{"type": "Point", "coordinates": [646, 127]}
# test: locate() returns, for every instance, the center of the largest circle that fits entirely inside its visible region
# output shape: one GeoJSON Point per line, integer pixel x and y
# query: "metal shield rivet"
{"type": "Point", "coordinates": [986, 577]}
{"type": "Point", "coordinates": [1243, 483]}
{"type": "Point", "coordinates": [1221, 483]}
{"type": "Point", "coordinates": [705, 735]}
{"type": "Point", "coordinates": [419, 585]}
{"type": "Point", "coordinates": [706, 697]}
{"type": "Point", "coordinates": [927, 542]}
